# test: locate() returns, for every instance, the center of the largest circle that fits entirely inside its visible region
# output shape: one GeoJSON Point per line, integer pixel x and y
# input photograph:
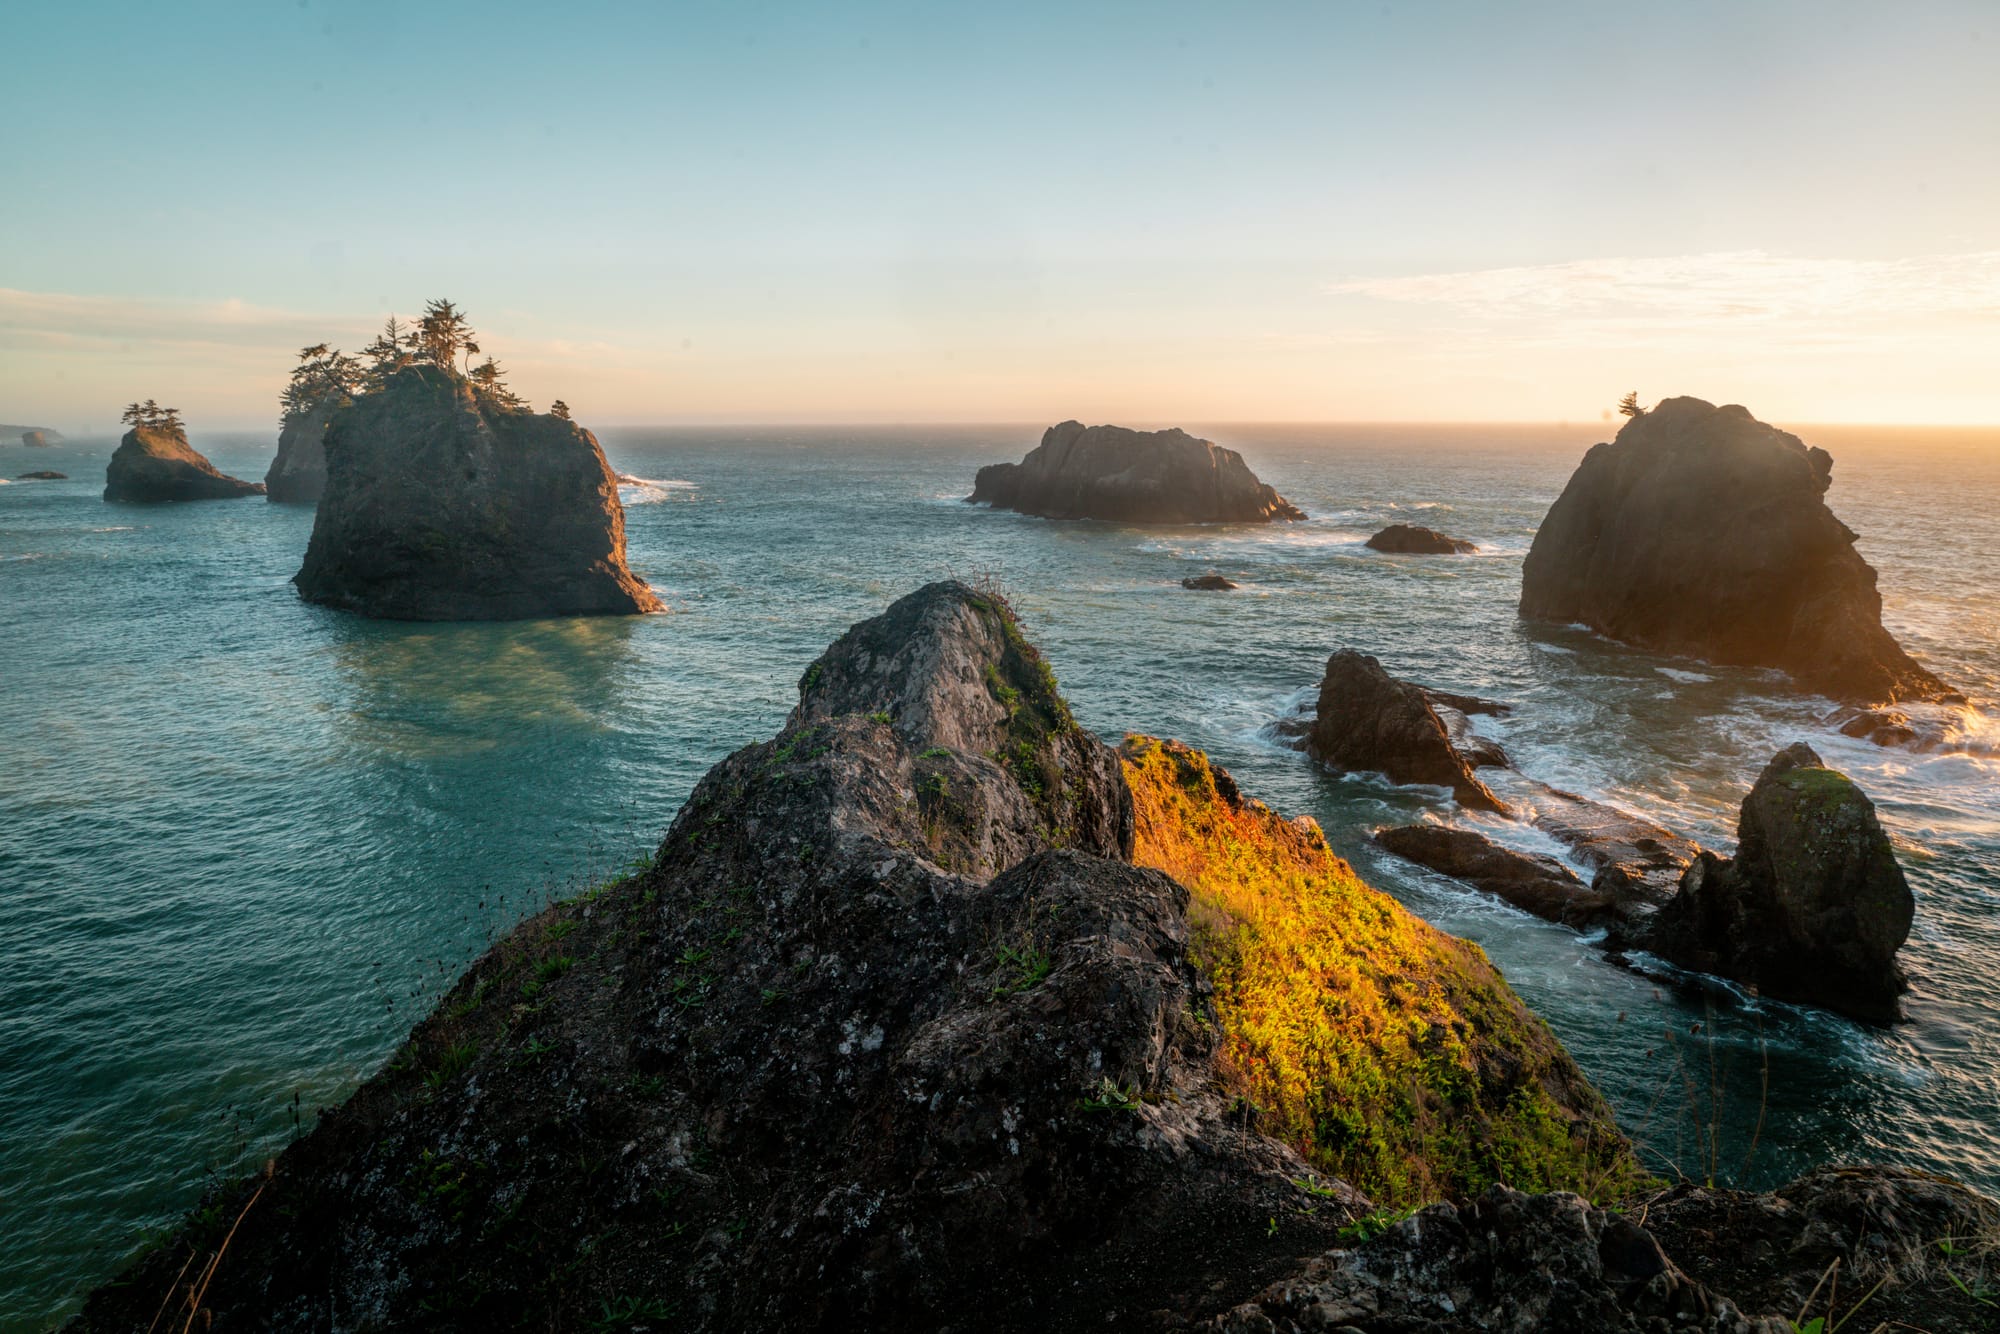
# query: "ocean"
{"type": "Point", "coordinates": [245, 842]}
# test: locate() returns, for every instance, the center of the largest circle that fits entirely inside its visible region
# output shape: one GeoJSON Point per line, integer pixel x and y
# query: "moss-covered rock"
{"type": "Point", "coordinates": [1392, 1055]}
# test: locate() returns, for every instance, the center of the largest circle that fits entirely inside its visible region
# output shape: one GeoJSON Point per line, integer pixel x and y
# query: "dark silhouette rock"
{"type": "Point", "coordinates": [1368, 721]}
{"type": "Point", "coordinates": [1539, 885]}
{"type": "Point", "coordinates": [1703, 531]}
{"type": "Point", "coordinates": [44, 476]}
{"type": "Point", "coordinates": [39, 439]}
{"type": "Point", "coordinates": [889, 1035]}
{"type": "Point", "coordinates": [1410, 540]}
{"type": "Point", "coordinates": [154, 463]}
{"type": "Point", "coordinates": [1109, 472]}
{"type": "Point", "coordinates": [297, 475]}
{"type": "Point", "coordinates": [443, 505]}
{"type": "Point", "coordinates": [1210, 583]}
{"type": "Point", "coordinates": [1691, 1260]}
{"type": "Point", "coordinates": [1812, 908]}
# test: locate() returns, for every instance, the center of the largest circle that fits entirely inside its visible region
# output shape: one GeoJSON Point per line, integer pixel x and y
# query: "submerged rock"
{"type": "Point", "coordinates": [44, 476]}
{"type": "Point", "coordinates": [1535, 884]}
{"type": "Point", "coordinates": [1109, 472]}
{"type": "Point", "coordinates": [1410, 540]}
{"type": "Point", "coordinates": [444, 505]}
{"type": "Point", "coordinates": [1704, 531]}
{"type": "Point", "coordinates": [1368, 721]}
{"type": "Point", "coordinates": [1812, 908]}
{"type": "Point", "coordinates": [155, 463]}
{"type": "Point", "coordinates": [298, 473]}
{"type": "Point", "coordinates": [1210, 583]}
{"type": "Point", "coordinates": [1884, 727]}
{"type": "Point", "coordinates": [1636, 861]}
{"type": "Point", "coordinates": [893, 1034]}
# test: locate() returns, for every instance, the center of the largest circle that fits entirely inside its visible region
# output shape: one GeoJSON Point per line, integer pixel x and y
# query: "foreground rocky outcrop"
{"type": "Point", "coordinates": [1368, 721]}
{"type": "Point", "coordinates": [1412, 540]}
{"type": "Point", "coordinates": [442, 503]}
{"type": "Point", "coordinates": [1701, 530]}
{"type": "Point", "coordinates": [1854, 1248]}
{"type": "Point", "coordinates": [155, 463]}
{"type": "Point", "coordinates": [903, 1029]}
{"type": "Point", "coordinates": [297, 475]}
{"type": "Point", "coordinates": [1812, 908]}
{"type": "Point", "coordinates": [1109, 472]}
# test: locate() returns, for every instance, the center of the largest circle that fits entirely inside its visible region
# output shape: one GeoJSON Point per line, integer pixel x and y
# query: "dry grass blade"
{"type": "Point", "coordinates": [215, 1261]}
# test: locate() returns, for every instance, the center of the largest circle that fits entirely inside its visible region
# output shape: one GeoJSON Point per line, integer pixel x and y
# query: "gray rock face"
{"type": "Point", "coordinates": [440, 506]}
{"type": "Point", "coordinates": [154, 463]}
{"type": "Point", "coordinates": [1410, 540]}
{"type": "Point", "coordinates": [1812, 908]}
{"type": "Point", "coordinates": [1368, 721]}
{"type": "Point", "coordinates": [1703, 531]}
{"type": "Point", "coordinates": [298, 474]}
{"type": "Point", "coordinates": [1109, 472]}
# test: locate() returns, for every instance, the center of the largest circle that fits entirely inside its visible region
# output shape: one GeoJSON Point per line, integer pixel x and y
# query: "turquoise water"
{"type": "Point", "coordinates": [245, 841]}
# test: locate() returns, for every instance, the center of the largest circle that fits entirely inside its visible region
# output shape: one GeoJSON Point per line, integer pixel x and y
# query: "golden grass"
{"type": "Point", "coordinates": [1390, 1054]}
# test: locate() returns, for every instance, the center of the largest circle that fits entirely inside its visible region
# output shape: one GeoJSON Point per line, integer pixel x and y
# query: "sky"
{"type": "Point", "coordinates": [1142, 213]}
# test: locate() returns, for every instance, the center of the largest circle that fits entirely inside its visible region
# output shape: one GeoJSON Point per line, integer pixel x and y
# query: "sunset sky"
{"type": "Point", "coordinates": [1142, 213]}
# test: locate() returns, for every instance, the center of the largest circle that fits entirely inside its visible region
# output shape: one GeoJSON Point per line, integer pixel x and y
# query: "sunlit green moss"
{"type": "Point", "coordinates": [1387, 1052]}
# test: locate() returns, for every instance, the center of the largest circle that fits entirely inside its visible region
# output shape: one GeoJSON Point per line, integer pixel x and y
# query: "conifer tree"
{"type": "Point", "coordinates": [1629, 405]}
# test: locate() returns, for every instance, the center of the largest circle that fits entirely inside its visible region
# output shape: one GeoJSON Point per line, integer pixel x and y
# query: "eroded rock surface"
{"type": "Point", "coordinates": [1536, 884]}
{"type": "Point", "coordinates": [1703, 531]}
{"type": "Point", "coordinates": [1812, 908]}
{"type": "Point", "coordinates": [442, 505]}
{"type": "Point", "coordinates": [1414, 540]}
{"type": "Point", "coordinates": [1109, 472]}
{"type": "Point", "coordinates": [155, 463]}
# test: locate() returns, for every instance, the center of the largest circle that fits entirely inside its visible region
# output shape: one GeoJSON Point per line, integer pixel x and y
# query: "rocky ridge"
{"type": "Point", "coordinates": [892, 1033]}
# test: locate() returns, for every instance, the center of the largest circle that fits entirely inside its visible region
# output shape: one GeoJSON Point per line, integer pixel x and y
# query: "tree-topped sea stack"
{"type": "Point", "coordinates": [447, 498]}
{"type": "Point", "coordinates": [1109, 472]}
{"type": "Point", "coordinates": [1704, 531]}
{"type": "Point", "coordinates": [324, 381]}
{"type": "Point", "coordinates": [155, 463]}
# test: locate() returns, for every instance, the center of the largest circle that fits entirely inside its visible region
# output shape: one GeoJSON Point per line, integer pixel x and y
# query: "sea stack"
{"type": "Point", "coordinates": [1109, 472]}
{"type": "Point", "coordinates": [447, 501]}
{"type": "Point", "coordinates": [1366, 720]}
{"type": "Point", "coordinates": [1408, 539]}
{"type": "Point", "coordinates": [1703, 531]}
{"type": "Point", "coordinates": [154, 463]}
{"type": "Point", "coordinates": [38, 439]}
{"type": "Point", "coordinates": [1812, 908]}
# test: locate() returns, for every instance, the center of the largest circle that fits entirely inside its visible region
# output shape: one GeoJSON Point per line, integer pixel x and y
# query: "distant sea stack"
{"type": "Point", "coordinates": [1109, 472]}
{"type": "Point", "coordinates": [1701, 530]}
{"type": "Point", "coordinates": [154, 463]}
{"type": "Point", "coordinates": [1407, 539]}
{"type": "Point", "coordinates": [39, 439]}
{"type": "Point", "coordinates": [324, 381]}
{"type": "Point", "coordinates": [1812, 908]}
{"type": "Point", "coordinates": [445, 502]}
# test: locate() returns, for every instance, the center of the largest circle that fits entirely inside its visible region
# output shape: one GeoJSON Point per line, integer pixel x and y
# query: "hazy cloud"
{"type": "Point", "coordinates": [1728, 287]}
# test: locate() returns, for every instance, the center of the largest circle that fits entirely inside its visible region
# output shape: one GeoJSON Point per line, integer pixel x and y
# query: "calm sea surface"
{"type": "Point", "coordinates": [244, 841]}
